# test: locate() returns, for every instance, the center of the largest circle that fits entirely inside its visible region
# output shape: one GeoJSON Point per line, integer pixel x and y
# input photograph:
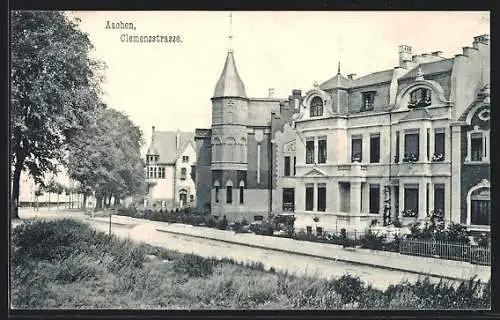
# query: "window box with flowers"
{"type": "Point", "coordinates": [409, 213]}
{"type": "Point", "coordinates": [356, 158]}
{"type": "Point", "coordinates": [437, 157]}
{"type": "Point", "coordinates": [410, 157]}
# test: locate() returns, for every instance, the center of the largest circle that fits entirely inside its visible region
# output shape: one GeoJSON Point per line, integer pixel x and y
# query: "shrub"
{"type": "Point", "coordinates": [51, 240]}
{"type": "Point", "coordinates": [193, 266]}
{"type": "Point", "coordinates": [77, 267]}
{"type": "Point", "coordinates": [222, 224]}
{"type": "Point", "coordinates": [210, 221]}
{"type": "Point", "coordinates": [349, 287]}
{"type": "Point", "coordinates": [372, 241]}
{"type": "Point", "coordinates": [397, 224]}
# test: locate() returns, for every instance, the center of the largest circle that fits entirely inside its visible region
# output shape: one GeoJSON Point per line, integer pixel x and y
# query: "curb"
{"type": "Point", "coordinates": [316, 256]}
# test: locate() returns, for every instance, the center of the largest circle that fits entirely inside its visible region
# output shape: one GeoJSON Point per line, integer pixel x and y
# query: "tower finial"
{"type": "Point", "coordinates": [338, 70]}
{"type": "Point", "coordinates": [230, 37]}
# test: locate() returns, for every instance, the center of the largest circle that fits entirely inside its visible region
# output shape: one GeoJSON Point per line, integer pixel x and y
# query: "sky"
{"type": "Point", "coordinates": [169, 85]}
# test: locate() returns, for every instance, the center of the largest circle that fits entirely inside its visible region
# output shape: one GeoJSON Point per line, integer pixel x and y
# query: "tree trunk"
{"type": "Point", "coordinates": [14, 209]}
{"type": "Point", "coordinates": [84, 201]}
{"type": "Point", "coordinates": [109, 200]}
{"type": "Point", "coordinates": [98, 202]}
{"type": "Point", "coordinates": [48, 206]}
{"type": "Point", "coordinates": [57, 201]}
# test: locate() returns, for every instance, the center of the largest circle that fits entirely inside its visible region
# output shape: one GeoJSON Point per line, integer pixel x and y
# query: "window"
{"type": "Point", "coordinates": [439, 198]}
{"type": "Point", "coordinates": [428, 144]}
{"type": "Point", "coordinates": [150, 173]}
{"type": "Point", "coordinates": [191, 198]}
{"type": "Point", "coordinates": [316, 107]}
{"type": "Point", "coordinates": [411, 201]}
{"type": "Point", "coordinates": [374, 198]}
{"type": "Point", "coordinates": [396, 201]}
{"type": "Point", "coordinates": [438, 146]}
{"type": "Point", "coordinates": [309, 197]}
{"type": "Point", "coordinates": [321, 197]}
{"type": "Point", "coordinates": [396, 157]}
{"type": "Point", "coordinates": [476, 142]}
{"type": "Point", "coordinates": [183, 173]}
{"type": "Point", "coordinates": [161, 172]}
{"type": "Point", "coordinates": [185, 158]}
{"type": "Point", "coordinates": [322, 150]}
{"type": "Point", "coordinates": [356, 149]}
{"type": "Point", "coordinates": [288, 199]}
{"type": "Point", "coordinates": [368, 99]}
{"type": "Point", "coordinates": [310, 151]}
{"type": "Point", "coordinates": [420, 98]}
{"type": "Point", "coordinates": [375, 149]}
{"type": "Point", "coordinates": [154, 173]}
{"type": "Point", "coordinates": [287, 166]}
{"type": "Point", "coordinates": [229, 194]}
{"type": "Point", "coordinates": [294, 166]}
{"type": "Point", "coordinates": [216, 193]}
{"type": "Point", "coordinates": [242, 189]}
{"type": "Point", "coordinates": [480, 207]}
{"type": "Point", "coordinates": [411, 147]}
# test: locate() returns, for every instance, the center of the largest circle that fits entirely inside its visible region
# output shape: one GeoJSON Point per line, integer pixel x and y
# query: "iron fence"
{"type": "Point", "coordinates": [446, 250]}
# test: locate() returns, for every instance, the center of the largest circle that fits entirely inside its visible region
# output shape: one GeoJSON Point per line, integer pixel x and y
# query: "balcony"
{"type": "Point", "coordinates": [352, 170]}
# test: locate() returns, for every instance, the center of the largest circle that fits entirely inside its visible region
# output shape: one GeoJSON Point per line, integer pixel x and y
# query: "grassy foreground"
{"type": "Point", "coordinates": [67, 264]}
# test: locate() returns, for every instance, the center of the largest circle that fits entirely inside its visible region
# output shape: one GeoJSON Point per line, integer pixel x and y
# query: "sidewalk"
{"type": "Point", "coordinates": [449, 269]}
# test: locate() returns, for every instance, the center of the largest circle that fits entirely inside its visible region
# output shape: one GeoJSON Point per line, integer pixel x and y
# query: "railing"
{"type": "Point", "coordinates": [446, 250]}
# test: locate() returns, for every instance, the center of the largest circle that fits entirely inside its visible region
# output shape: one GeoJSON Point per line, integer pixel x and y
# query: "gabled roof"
{"type": "Point", "coordinates": [429, 68]}
{"type": "Point", "coordinates": [229, 84]}
{"type": "Point", "coordinates": [164, 142]}
{"type": "Point", "coordinates": [417, 113]}
{"type": "Point", "coordinates": [339, 81]}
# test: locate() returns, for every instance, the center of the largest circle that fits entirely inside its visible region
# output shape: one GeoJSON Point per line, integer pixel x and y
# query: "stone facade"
{"type": "Point", "coordinates": [388, 145]}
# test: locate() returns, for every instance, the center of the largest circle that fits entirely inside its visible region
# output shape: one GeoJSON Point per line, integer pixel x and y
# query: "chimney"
{"type": "Point", "coordinates": [469, 51]}
{"type": "Point", "coordinates": [296, 92]}
{"type": "Point", "coordinates": [484, 39]}
{"type": "Point", "coordinates": [404, 54]}
{"type": "Point", "coordinates": [407, 64]}
{"type": "Point", "coordinates": [271, 92]}
{"type": "Point", "coordinates": [153, 129]}
{"type": "Point", "coordinates": [351, 76]}
{"type": "Point", "coordinates": [437, 54]}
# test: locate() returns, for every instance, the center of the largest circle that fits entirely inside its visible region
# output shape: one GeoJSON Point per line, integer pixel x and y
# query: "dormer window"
{"type": "Point", "coordinates": [152, 158]}
{"type": "Point", "coordinates": [316, 107]}
{"type": "Point", "coordinates": [420, 98]}
{"type": "Point", "coordinates": [368, 99]}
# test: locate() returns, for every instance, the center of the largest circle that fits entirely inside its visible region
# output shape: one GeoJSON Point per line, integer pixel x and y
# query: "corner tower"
{"type": "Point", "coordinates": [229, 141]}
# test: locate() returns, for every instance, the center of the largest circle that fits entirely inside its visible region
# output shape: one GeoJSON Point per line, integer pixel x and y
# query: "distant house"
{"type": "Point", "coordinates": [169, 161]}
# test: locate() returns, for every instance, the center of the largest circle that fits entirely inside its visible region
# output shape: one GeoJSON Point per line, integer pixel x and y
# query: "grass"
{"type": "Point", "coordinates": [66, 265]}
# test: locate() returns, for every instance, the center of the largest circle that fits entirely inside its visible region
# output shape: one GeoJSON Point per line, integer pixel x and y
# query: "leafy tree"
{"type": "Point", "coordinates": [54, 92]}
{"type": "Point", "coordinates": [106, 158]}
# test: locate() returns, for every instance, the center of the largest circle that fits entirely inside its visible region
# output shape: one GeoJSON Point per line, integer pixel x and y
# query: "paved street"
{"type": "Point", "coordinates": [297, 264]}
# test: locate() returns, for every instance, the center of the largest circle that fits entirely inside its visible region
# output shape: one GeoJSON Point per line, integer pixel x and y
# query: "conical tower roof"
{"type": "Point", "coordinates": [230, 84]}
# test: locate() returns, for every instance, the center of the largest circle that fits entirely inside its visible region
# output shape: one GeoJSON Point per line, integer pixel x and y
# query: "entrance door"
{"type": "Point", "coordinates": [289, 199]}
{"type": "Point", "coordinates": [183, 197]}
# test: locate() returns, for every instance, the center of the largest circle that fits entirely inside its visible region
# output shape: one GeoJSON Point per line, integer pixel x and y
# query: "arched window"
{"type": "Point", "coordinates": [420, 97]}
{"type": "Point", "coordinates": [242, 191]}
{"type": "Point", "coordinates": [316, 109]}
{"type": "Point", "coordinates": [480, 207]}
{"type": "Point", "coordinates": [478, 204]}
{"type": "Point", "coordinates": [183, 197]}
{"type": "Point", "coordinates": [216, 190]}
{"type": "Point", "coordinates": [229, 191]}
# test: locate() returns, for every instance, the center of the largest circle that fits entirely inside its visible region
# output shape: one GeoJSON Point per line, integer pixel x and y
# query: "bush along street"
{"type": "Point", "coordinates": [77, 267]}
{"type": "Point", "coordinates": [433, 229]}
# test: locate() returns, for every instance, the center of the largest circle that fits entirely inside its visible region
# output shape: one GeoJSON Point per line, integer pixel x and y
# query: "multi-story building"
{"type": "Point", "coordinates": [169, 167]}
{"type": "Point", "coordinates": [400, 143]}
